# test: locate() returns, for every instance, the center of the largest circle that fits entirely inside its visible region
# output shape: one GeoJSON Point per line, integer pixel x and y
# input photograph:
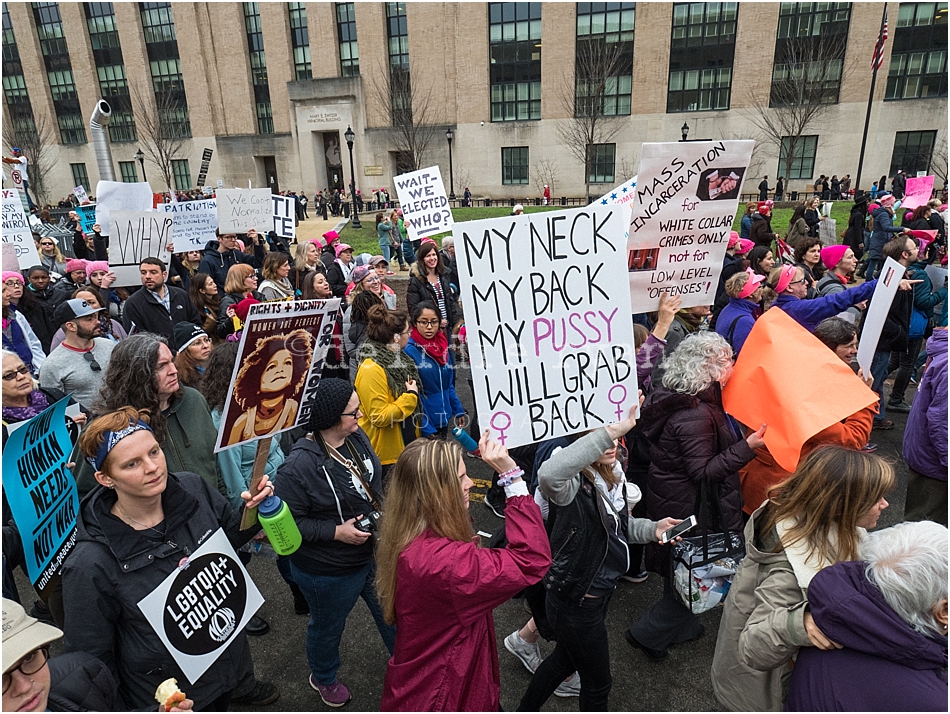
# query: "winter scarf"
{"type": "Point", "coordinates": [398, 366]}
{"type": "Point", "coordinates": [437, 348]}
{"type": "Point", "coordinates": [37, 402]}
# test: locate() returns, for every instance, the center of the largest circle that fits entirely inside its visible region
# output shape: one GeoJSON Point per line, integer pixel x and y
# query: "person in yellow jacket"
{"type": "Point", "coordinates": [387, 384]}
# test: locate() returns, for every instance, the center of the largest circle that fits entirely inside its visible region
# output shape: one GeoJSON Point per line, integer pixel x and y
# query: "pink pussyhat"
{"type": "Point", "coordinates": [340, 247]}
{"type": "Point", "coordinates": [11, 275]}
{"type": "Point", "coordinates": [788, 272]}
{"type": "Point", "coordinates": [94, 265]}
{"type": "Point", "coordinates": [744, 246]}
{"type": "Point", "coordinates": [733, 240]}
{"type": "Point", "coordinates": [832, 255]}
{"type": "Point", "coordinates": [752, 283]}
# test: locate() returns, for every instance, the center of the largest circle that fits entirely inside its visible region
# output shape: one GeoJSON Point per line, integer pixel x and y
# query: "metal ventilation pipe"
{"type": "Point", "coordinates": [100, 142]}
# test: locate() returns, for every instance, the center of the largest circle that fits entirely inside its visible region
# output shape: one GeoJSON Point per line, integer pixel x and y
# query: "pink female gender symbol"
{"type": "Point", "coordinates": [504, 423]}
{"type": "Point", "coordinates": [618, 402]}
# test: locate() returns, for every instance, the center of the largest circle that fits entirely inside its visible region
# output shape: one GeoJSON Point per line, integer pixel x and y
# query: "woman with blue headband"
{"type": "Point", "coordinates": [135, 528]}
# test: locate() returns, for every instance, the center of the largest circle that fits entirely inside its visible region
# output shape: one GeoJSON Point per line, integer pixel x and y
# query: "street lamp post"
{"type": "Point", "coordinates": [449, 135]}
{"type": "Point", "coordinates": [141, 158]}
{"type": "Point", "coordinates": [685, 130]}
{"type": "Point", "coordinates": [349, 136]}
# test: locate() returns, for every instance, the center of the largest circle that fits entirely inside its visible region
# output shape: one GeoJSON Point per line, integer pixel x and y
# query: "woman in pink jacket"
{"type": "Point", "coordinates": [439, 587]}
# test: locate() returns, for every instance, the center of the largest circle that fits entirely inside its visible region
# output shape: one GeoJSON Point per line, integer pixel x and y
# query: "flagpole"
{"type": "Point", "coordinates": [867, 118]}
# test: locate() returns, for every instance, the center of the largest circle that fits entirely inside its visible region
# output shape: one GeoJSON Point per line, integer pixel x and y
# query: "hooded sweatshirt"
{"type": "Point", "coordinates": [885, 665]}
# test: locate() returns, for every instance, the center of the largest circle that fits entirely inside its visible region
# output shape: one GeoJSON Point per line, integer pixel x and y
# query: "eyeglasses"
{"type": "Point", "coordinates": [796, 282]}
{"type": "Point", "coordinates": [355, 413]}
{"type": "Point", "coordinates": [428, 323]}
{"type": "Point", "coordinates": [371, 278]}
{"type": "Point", "coordinates": [14, 373]}
{"type": "Point", "coordinates": [96, 367]}
{"type": "Point", "coordinates": [31, 664]}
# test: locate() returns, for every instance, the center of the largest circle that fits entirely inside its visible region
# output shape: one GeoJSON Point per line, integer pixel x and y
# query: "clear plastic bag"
{"type": "Point", "coordinates": [702, 577]}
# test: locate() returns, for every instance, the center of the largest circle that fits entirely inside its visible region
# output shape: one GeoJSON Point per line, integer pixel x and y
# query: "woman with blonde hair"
{"type": "Point", "coordinates": [51, 257]}
{"type": "Point", "coordinates": [306, 258]}
{"type": "Point", "coordinates": [240, 283]}
{"type": "Point", "coordinates": [429, 561]}
{"type": "Point", "coordinates": [813, 519]}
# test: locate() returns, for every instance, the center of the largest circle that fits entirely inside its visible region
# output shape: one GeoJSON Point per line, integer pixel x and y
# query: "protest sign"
{"type": "Point", "coordinates": [115, 196]}
{"type": "Point", "coordinates": [285, 215]}
{"type": "Point", "coordinates": [8, 253]}
{"type": "Point", "coordinates": [758, 393]}
{"type": "Point", "coordinates": [685, 205]}
{"type": "Point", "coordinates": [16, 177]}
{"type": "Point", "coordinates": [884, 292]}
{"type": "Point", "coordinates": [194, 223]}
{"type": "Point", "coordinates": [80, 193]}
{"type": "Point", "coordinates": [425, 209]}
{"type": "Point", "coordinates": [41, 491]}
{"type": "Point", "coordinates": [827, 232]}
{"type": "Point", "coordinates": [622, 194]}
{"type": "Point", "coordinates": [17, 231]}
{"type": "Point", "coordinates": [917, 192]}
{"type": "Point", "coordinates": [136, 235]}
{"type": "Point", "coordinates": [200, 608]}
{"type": "Point", "coordinates": [241, 209]}
{"type": "Point", "coordinates": [280, 358]}
{"type": "Point", "coordinates": [548, 321]}
{"type": "Point", "coordinates": [88, 215]}
{"type": "Point", "coordinates": [205, 164]}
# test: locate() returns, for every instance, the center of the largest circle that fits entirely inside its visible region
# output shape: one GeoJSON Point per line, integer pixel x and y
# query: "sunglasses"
{"type": "Point", "coordinates": [96, 367]}
{"type": "Point", "coordinates": [14, 373]}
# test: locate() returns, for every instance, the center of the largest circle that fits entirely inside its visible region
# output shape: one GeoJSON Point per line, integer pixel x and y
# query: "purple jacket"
{"type": "Point", "coordinates": [885, 665]}
{"type": "Point", "coordinates": [808, 313]}
{"type": "Point", "coordinates": [925, 437]}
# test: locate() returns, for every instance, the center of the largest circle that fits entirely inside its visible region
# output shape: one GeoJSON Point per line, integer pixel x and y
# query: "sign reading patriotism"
{"type": "Point", "coordinates": [548, 320]}
{"type": "Point", "coordinates": [425, 209]}
{"type": "Point", "coordinates": [194, 223]}
{"type": "Point", "coordinates": [686, 199]}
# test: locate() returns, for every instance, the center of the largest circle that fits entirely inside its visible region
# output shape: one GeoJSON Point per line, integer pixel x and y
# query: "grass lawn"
{"type": "Point", "coordinates": [365, 240]}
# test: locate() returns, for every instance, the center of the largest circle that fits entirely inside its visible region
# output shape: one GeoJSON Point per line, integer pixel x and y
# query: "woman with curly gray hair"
{"type": "Point", "coordinates": [692, 442]}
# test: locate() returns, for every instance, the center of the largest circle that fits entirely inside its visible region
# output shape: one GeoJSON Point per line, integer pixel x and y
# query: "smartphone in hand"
{"type": "Point", "coordinates": [678, 530]}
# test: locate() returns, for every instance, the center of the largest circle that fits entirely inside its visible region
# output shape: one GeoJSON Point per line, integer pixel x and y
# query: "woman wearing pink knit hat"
{"type": "Point", "coordinates": [841, 264]}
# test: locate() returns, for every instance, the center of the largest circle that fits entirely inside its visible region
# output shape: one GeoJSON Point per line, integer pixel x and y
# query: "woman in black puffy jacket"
{"type": "Point", "coordinates": [427, 283]}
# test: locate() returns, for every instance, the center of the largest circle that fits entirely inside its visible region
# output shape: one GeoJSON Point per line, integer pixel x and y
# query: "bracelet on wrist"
{"type": "Point", "coordinates": [505, 479]}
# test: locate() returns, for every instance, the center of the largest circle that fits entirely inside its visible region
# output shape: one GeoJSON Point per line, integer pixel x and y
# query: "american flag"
{"type": "Point", "coordinates": [878, 58]}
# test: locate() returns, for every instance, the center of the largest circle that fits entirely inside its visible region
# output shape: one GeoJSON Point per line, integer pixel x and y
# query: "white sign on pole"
{"type": "Point", "coordinates": [880, 305]}
{"type": "Point", "coordinates": [201, 606]}
{"type": "Point", "coordinates": [16, 230]}
{"type": "Point", "coordinates": [425, 209]}
{"type": "Point", "coordinates": [241, 209]}
{"type": "Point", "coordinates": [220, 183]}
{"type": "Point", "coordinates": [285, 214]}
{"type": "Point", "coordinates": [194, 223]}
{"type": "Point", "coordinates": [80, 193]}
{"type": "Point", "coordinates": [828, 232]}
{"type": "Point", "coordinates": [686, 199]}
{"type": "Point", "coordinates": [548, 315]}
{"type": "Point", "coordinates": [115, 196]}
{"type": "Point", "coordinates": [136, 235]}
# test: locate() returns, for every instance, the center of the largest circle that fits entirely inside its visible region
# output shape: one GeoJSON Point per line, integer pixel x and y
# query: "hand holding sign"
{"type": "Point", "coordinates": [264, 489]}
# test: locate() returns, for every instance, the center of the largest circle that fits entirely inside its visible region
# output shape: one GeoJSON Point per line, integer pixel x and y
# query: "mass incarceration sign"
{"type": "Point", "coordinates": [686, 199]}
{"type": "Point", "coordinates": [200, 608]}
{"type": "Point", "coordinates": [425, 209]}
{"type": "Point", "coordinates": [548, 320]}
{"type": "Point", "coordinates": [41, 491]}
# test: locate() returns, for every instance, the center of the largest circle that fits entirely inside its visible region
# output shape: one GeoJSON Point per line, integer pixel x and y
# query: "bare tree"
{"type": "Point", "coordinates": [161, 128]}
{"type": "Point", "coordinates": [545, 173]}
{"type": "Point", "coordinates": [938, 160]}
{"type": "Point", "coordinates": [626, 169]}
{"type": "Point", "coordinates": [805, 85]}
{"type": "Point", "coordinates": [36, 140]}
{"type": "Point", "coordinates": [587, 96]}
{"type": "Point", "coordinates": [414, 112]}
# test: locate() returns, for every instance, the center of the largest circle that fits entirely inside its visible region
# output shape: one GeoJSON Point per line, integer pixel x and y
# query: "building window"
{"type": "Point", "coordinates": [514, 165]}
{"type": "Point", "coordinates": [702, 50]}
{"type": "Point", "coordinates": [107, 54]}
{"type": "Point", "coordinates": [300, 40]}
{"type": "Point", "coordinates": [161, 45]}
{"type": "Point", "coordinates": [255, 49]}
{"type": "Point", "coordinates": [918, 68]}
{"type": "Point", "coordinates": [913, 151]}
{"type": "Point", "coordinates": [129, 172]}
{"type": "Point", "coordinates": [603, 58]}
{"type": "Point", "coordinates": [809, 53]}
{"type": "Point", "coordinates": [346, 36]}
{"type": "Point", "coordinates": [802, 165]}
{"type": "Point", "coordinates": [80, 177]}
{"type": "Point", "coordinates": [514, 46]}
{"type": "Point", "coordinates": [602, 161]}
{"type": "Point", "coordinates": [14, 84]}
{"type": "Point", "coordinates": [181, 174]}
{"type": "Point", "coordinates": [400, 83]}
{"type": "Point", "coordinates": [59, 72]}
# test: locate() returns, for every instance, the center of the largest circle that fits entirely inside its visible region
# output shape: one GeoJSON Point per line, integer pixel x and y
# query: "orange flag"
{"type": "Point", "coordinates": [787, 378]}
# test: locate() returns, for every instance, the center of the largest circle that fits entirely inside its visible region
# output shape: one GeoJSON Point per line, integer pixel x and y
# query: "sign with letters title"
{"type": "Point", "coordinates": [136, 235]}
{"type": "Point", "coordinates": [17, 231]}
{"type": "Point", "coordinates": [425, 209]}
{"type": "Point", "coordinates": [194, 223]}
{"type": "Point", "coordinates": [285, 216]}
{"type": "Point", "coordinates": [241, 209]}
{"type": "Point", "coordinates": [687, 195]}
{"type": "Point", "coordinates": [547, 311]}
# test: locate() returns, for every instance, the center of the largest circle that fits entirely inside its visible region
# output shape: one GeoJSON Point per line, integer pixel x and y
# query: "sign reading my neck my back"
{"type": "Point", "coordinates": [547, 310]}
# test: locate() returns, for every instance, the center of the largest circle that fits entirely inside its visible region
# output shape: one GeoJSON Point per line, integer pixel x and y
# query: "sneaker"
{"type": "Point", "coordinates": [655, 655]}
{"type": "Point", "coordinates": [263, 693]}
{"type": "Point", "coordinates": [901, 406]}
{"type": "Point", "coordinates": [497, 508]}
{"type": "Point", "coordinates": [869, 448]}
{"type": "Point", "coordinates": [529, 653]}
{"type": "Point", "coordinates": [570, 688]}
{"type": "Point", "coordinates": [333, 695]}
{"type": "Point", "coordinates": [638, 578]}
{"type": "Point", "coordinates": [883, 424]}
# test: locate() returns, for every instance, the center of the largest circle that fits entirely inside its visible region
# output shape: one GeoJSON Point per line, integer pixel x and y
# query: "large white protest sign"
{"type": "Point", "coordinates": [425, 209]}
{"type": "Point", "coordinates": [136, 235]}
{"type": "Point", "coordinates": [194, 223]}
{"type": "Point", "coordinates": [880, 305]}
{"type": "Point", "coordinates": [80, 193]}
{"type": "Point", "coordinates": [285, 214]}
{"type": "Point", "coordinates": [200, 608]}
{"type": "Point", "coordinates": [828, 232]}
{"type": "Point", "coordinates": [686, 199]}
{"type": "Point", "coordinates": [115, 196]}
{"type": "Point", "coordinates": [17, 231]}
{"type": "Point", "coordinates": [548, 319]}
{"type": "Point", "coordinates": [241, 209]}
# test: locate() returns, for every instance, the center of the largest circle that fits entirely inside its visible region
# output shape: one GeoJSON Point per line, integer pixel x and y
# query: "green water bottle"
{"type": "Point", "coordinates": [279, 525]}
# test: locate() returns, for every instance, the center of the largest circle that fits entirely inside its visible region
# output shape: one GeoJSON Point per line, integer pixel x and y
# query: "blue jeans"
{"type": "Point", "coordinates": [331, 598]}
{"type": "Point", "coordinates": [879, 371]}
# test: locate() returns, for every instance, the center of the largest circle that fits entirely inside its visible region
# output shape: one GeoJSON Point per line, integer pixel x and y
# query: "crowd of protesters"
{"type": "Point", "coordinates": [150, 369]}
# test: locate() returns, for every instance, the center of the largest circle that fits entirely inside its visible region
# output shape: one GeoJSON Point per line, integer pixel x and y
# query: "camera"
{"type": "Point", "coordinates": [370, 523]}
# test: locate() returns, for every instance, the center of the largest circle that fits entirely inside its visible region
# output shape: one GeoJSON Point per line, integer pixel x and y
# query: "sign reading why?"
{"type": "Point", "coordinates": [425, 209]}
{"type": "Point", "coordinates": [200, 608]}
{"type": "Point", "coordinates": [136, 235]}
{"type": "Point", "coordinates": [547, 310]}
{"type": "Point", "coordinates": [687, 195]}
